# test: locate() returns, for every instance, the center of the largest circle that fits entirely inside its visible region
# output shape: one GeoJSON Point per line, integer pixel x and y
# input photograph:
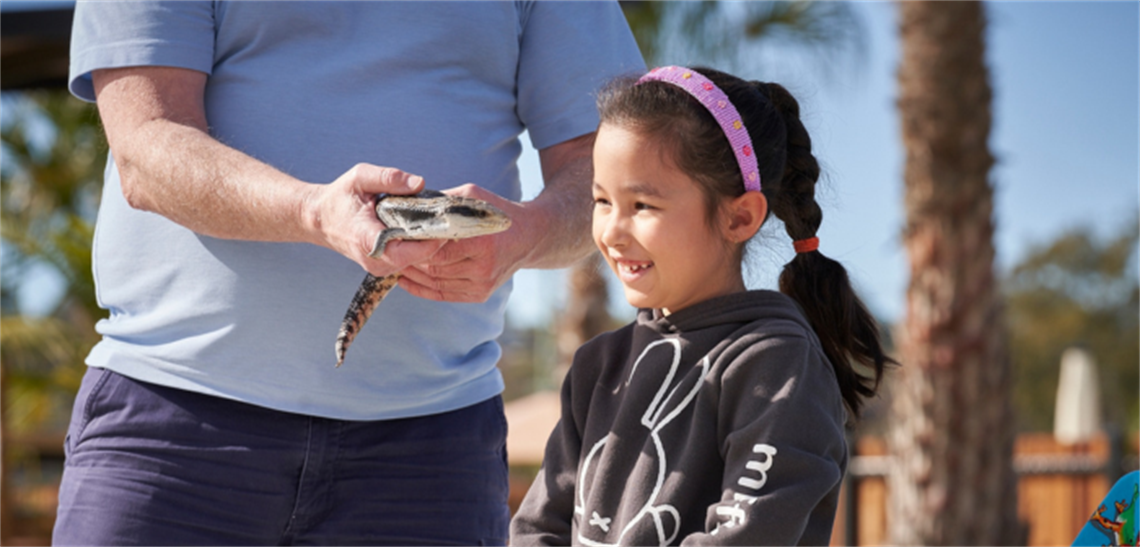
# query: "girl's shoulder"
{"type": "Point", "coordinates": [611, 338]}
{"type": "Point", "coordinates": [604, 348]}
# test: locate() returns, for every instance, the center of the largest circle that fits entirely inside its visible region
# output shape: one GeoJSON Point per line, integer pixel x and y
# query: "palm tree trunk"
{"type": "Point", "coordinates": [586, 314]}
{"type": "Point", "coordinates": [953, 430]}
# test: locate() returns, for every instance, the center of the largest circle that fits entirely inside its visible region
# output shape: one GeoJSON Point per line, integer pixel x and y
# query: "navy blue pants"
{"type": "Point", "coordinates": [150, 465]}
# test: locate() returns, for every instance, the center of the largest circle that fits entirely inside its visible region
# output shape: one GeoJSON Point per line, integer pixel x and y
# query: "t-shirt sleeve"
{"type": "Point", "coordinates": [568, 51]}
{"type": "Point", "coordinates": [782, 437]}
{"type": "Point", "coordinates": [131, 33]}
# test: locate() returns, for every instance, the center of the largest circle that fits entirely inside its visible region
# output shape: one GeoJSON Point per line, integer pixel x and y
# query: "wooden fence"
{"type": "Point", "coordinates": [1058, 487]}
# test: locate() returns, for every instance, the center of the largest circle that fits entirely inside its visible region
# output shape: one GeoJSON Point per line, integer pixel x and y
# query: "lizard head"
{"type": "Point", "coordinates": [432, 215]}
{"type": "Point", "coordinates": [475, 217]}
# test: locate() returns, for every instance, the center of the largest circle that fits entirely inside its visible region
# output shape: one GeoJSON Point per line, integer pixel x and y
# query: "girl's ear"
{"type": "Point", "coordinates": [744, 215]}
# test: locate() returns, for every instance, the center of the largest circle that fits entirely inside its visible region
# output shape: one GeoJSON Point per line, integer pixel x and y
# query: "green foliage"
{"type": "Point", "coordinates": [53, 151]}
{"type": "Point", "coordinates": [644, 18]}
{"type": "Point", "coordinates": [723, 33]}
{"type": "Point", "coordinates": [1076, 290]}
{"type": "Point", "coordinates": [43, 366]}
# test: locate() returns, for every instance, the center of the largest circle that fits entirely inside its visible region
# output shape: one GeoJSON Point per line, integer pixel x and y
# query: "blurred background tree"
{"type": "Point", "coordinates": [732, 35]}
{"type": "Point", "coordinates": [1077, 289]}
{"type": "Point", "coordinates": [54, 151]}
{"type": "Point", "coordinates": [952, 480]}
{"type": "Point", "coordinates": [50, 180]}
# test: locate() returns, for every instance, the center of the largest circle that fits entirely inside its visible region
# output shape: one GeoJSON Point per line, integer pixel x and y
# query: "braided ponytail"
{"type": "Point", "coordinates": [846, 330]}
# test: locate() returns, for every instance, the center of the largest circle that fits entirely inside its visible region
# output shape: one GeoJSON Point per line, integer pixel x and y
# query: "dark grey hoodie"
{"type": "Point", "coordinates": [719, 424]}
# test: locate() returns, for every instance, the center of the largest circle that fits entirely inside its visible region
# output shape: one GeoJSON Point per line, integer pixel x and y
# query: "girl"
{"type": "Point", "coordinates": [717, 417]}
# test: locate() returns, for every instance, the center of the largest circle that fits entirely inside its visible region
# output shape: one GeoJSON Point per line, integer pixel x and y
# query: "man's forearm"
{"type": "Point", "coordinates": [169, 164]}
{"type": "Point", "coordinates": [564, 204]}
{"type": "Point", "coordinates": [182, 173]}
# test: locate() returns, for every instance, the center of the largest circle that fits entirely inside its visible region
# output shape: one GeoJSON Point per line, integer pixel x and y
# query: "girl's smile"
{"type": "Point", "coordinates": [650, 224]}
{"type": "Point", "coordinates": [631, 269]}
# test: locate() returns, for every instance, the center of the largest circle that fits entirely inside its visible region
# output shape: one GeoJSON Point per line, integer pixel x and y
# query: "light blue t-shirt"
{"type": "Point", "coordinates": [442, 90]}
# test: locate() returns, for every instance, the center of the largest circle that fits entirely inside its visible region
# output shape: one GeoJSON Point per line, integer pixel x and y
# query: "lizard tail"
{"type": "Point", "coordinates": [372, 290]}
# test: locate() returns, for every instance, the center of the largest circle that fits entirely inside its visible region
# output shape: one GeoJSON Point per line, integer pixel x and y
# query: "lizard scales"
{"type": "Point", "coordinates": [426, 215]}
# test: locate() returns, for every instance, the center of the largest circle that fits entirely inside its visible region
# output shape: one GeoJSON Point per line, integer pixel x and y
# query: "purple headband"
{"type": "Point", "coordinates": [721, 108]}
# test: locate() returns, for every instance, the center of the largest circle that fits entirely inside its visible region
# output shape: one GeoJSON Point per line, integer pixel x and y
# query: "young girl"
{"type": "Point", "coordinates": [717, 417]}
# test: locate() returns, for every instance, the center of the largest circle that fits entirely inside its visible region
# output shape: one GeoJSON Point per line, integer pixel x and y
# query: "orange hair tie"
{"type": "Point", "coordinates": [806, 245]}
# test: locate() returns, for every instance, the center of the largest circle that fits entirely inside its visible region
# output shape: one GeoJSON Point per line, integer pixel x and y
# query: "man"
{"type": "Point", "coordinates": [248, 143]}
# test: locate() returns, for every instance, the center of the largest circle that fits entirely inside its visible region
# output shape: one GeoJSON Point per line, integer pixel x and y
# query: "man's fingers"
{"type": "Point", "coordinates": [465, 269]}
{"type": "Point", "coordinates": [462, 251]}
{"type": "Point", "coordinates": [374, 179]}
{"type": "Point", "coordinates": [399, 254]}
{"type": "Point", "coordinates": [426, 284]}
{"type": "Point", "coordinates": [429, 278]}
{"type": "Point", "coordinates": [451, 291]}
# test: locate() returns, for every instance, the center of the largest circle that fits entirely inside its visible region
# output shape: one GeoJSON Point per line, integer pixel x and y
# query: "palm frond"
{"type": "Point", "coordinates": [730, 34]}
{"type": "Point", "coordinates": [49, 187]}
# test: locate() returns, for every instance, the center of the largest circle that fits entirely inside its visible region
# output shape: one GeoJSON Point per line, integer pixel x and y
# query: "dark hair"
{"type": "Point", "coordinates": [695, 143]}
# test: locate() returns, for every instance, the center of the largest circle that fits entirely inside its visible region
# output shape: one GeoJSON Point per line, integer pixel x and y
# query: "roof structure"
{"type": "Point", "coordinates": [34, 43]}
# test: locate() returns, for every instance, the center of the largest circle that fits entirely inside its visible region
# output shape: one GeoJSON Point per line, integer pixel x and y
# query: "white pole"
{"type": "Point", "coordinates": [1077, 417]}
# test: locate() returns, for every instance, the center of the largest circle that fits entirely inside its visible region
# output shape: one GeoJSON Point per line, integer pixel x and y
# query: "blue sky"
{"type": "Point", "coordinates": [1065, 136]}
{"type": "Point", "coordinates": [1065, 78]}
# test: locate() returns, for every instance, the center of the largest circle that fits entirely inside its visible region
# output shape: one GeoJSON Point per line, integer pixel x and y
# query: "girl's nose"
{"type": "Point", "coordinates": [614, 232]}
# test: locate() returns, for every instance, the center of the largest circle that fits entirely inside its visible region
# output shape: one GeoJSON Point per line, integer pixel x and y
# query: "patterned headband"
{"type": "Point", "coordinates": [722, 110]}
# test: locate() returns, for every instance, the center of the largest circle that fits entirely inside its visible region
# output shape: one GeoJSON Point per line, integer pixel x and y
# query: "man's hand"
{"type": "Point", "coordinates": [470, 270]}
{"type": "Point", "coordinates": [552, 231]}
{"type": "Point", "coordinates": [344, 213]}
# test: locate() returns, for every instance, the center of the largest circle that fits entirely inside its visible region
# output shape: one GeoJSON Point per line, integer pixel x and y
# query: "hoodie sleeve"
{"type": "Point", "coordinates": [781, 422]}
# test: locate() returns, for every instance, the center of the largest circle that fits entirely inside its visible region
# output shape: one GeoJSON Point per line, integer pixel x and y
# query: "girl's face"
{"type": "Point", "coordinates": [650, 224]}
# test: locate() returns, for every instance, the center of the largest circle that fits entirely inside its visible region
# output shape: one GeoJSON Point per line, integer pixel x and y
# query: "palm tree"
{"type": "Point", "coordinates": [732, 34]}
{"type": "Point", "coordinates": [585, 315]}
{"type": "Point", "coordinates": [952, 425]}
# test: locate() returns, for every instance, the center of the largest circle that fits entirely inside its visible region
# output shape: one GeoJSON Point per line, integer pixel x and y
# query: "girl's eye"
{"type": "Point", "coordinates": [600, 201]}
{"type": "Point", "coordinates": [643, 206]}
